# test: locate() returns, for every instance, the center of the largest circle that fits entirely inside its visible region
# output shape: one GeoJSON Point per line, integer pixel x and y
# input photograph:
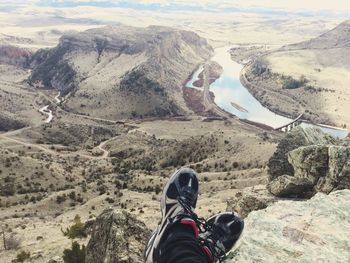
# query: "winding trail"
{"type": "Point", "coordinates": [11, 135]}
{"type": "Point", "coordinates": [57, 98]}
{"type": "Point", "coordinates": [100, 147]}
{"type": "Point", "coordinates": [48, 112]}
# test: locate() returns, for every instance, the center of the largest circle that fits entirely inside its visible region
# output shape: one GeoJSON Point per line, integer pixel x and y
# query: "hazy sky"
{"type": "Point", "coordinates": [304, 7]}
{"type": "Point", "coordinates": [335, 5]}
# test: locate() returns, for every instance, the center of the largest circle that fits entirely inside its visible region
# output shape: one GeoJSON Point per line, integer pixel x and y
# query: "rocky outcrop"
{"type": "Point", "coordinates": [290, 186]}
{"type": "Point", "coordinates": [117, 237]}
{"type": "Point", "coordinates": [316, 230]}
{"type": "Point", "coordinates": [278, 164]}
{"type": "Point", "coordinates": [338, 168]}
{"type": "Point", "coordinates": [326, 167]}
{"type": "Point", "coordinates": [321, 167]}
{"type": "Point", "coordinates": [250, 199]}
{"type": "Point", "coordinates": [309, 162]}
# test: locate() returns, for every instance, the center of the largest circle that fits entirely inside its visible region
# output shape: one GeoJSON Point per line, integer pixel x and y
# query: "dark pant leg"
{"type": "Point", "coordinates": [181, 246]}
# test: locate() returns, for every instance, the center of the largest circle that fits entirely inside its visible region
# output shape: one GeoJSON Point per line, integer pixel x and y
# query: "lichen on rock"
{"type": "Point", "coordinates": [318, 167]}
{"type": "Point", "coordinates": [251, 199]}
{"type": "Point", "coordinates": [278, 164]}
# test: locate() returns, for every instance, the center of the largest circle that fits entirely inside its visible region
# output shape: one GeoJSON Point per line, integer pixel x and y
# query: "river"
{"type": "Point", "coordinates": [233, 97]}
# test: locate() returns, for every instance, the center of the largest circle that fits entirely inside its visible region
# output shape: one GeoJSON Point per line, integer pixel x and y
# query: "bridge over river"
{"type": "Point", "coordinates": [290, 125]}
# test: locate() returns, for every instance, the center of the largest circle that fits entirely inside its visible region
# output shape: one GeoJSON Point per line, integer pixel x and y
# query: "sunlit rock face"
{"type": "Point", "coordinates": [316, 230]}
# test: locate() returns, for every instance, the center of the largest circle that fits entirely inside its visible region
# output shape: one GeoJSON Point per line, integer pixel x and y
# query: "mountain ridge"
{"type": "Point", "coordinates": [137, 65]}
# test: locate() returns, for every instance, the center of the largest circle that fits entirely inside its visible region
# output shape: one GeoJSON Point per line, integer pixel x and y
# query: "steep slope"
{"type": "Point", "coordinates": [119, 72]}
{"type": "Point", "coordinates": [19, 104]}
{"type": "Point", "coordinates": [15, 56]}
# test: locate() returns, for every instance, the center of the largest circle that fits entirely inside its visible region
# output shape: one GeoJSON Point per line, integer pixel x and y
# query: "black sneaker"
{"type": "Point", "coordinates": [179, 199]}
{"type": "Point", "coordinates": [222, 233]}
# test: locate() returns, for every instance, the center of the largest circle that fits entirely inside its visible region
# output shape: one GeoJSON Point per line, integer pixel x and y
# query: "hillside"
{"type": "Point", "coordinates": [310, 77]}
{"type": "Point", "coordinates": [121, 72]}
{"type": "Point", "coordinates": [45, 182]}
{"type": "Point", "coordinates": [338, 37]}
{"type": "Point", "coordinates": [14, 56]}
{"type": "Point", "coordinates": [19, 103]}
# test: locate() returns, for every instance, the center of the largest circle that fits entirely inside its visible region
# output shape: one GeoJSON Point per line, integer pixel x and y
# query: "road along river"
{"type": "Point", "coordinates": [233, 97]}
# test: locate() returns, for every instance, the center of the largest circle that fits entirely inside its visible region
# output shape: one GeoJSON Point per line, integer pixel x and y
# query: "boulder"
{"type": "Point", "coordinates": [117, 237]}
{"type": "Point", "coordinates": [251, 199]}
{"type": "Point", "coordinates": [338, 175]}
{"type": "Point", "coordinates": [310, 162]}
{"type": "Point", "coordinates": [278, 164]}
{"type": "Point", "coordinates": [327, 167]}
{"type": "Point", "coordinates": [316, 230]}
{"type": "Point", "coordinates": [290, 186]}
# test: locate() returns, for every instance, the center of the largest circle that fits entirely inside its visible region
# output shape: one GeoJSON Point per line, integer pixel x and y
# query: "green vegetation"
{"type": "Point", "coordinates": [23, 256]}
{"type": "Point", "coordinates": [74, 255]}
{"type": "Point", "coordinates": [137, 82]}
{"type": "Point", "coordinates": [77, 230]}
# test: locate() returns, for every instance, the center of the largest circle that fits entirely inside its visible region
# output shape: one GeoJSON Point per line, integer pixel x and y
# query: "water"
{"type": "Point", "coordinates": [194, 78]}
{"type": "Point", "coordinates": [228, 89]}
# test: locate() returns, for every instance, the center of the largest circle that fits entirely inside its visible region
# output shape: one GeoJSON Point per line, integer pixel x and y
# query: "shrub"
{"type": "Point", "coordinates": [157, 189]}
{"type": "Point", "coordinates": [23, 256]}
{"type": "Point", "coordinates": [290, 83]}
{"type": "Point", "coordinates": [72, 195]}
{"type": "Point", "coordinates": [8, 189]}
{"type": "Point", "coordinates": [77, 230]}
{"type": "Point", "coordinates": [75, 254]}
{"type": "Point", "coordinates": [110, 200]}
{"type": "Point", "coordinates": [61, 198]}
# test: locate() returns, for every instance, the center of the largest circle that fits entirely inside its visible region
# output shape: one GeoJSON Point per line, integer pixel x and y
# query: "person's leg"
{"type": "Point", "coordinates": [176, 237]}
{"type": "Point", "coordinates": [182, 246]}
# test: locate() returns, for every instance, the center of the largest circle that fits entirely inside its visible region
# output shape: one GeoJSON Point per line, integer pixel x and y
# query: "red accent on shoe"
{"type": "Point", "coordinates": [207, 251]}
{"type": "Point", "coordinates": [192, 224]}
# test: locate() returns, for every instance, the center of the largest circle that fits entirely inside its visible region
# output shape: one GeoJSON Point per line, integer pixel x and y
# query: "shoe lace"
{"type": "Point", "coordinates": [203, 226]}
{"type": "Point", "coordinates": [186, 204]}
{"type": "Point", "coordinates": [211, 241]}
